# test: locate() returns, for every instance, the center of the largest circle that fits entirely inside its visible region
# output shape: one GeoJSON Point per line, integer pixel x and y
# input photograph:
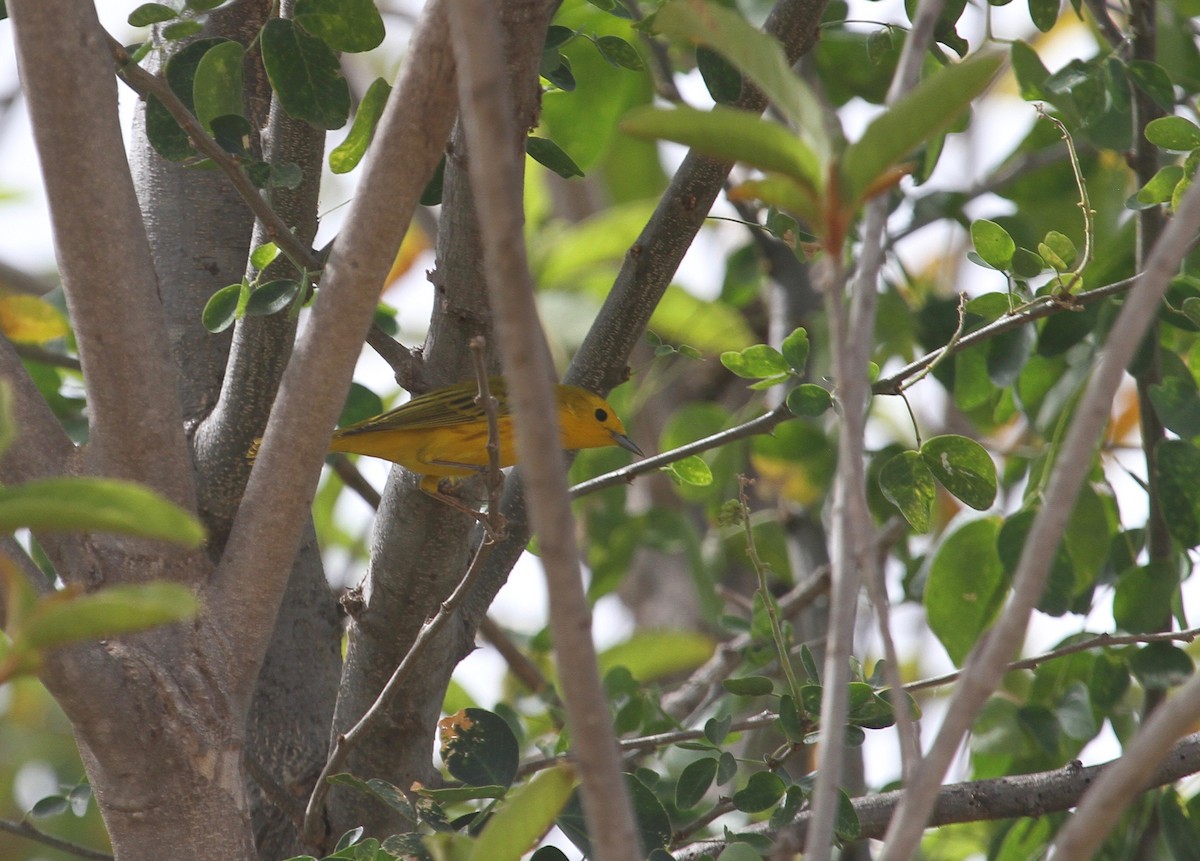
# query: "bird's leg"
{"type": "Point", "coordinates": [492, 522]}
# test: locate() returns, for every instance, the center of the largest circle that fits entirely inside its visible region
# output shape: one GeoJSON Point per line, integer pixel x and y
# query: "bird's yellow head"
{"type": "Point", "coordinates": [587, 421]}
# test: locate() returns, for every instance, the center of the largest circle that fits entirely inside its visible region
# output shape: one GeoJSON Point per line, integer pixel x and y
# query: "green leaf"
{"type": "Point", "coordinates": [965, 587]}
{"type": "Point", "coordinates": [264, 255]}
{"type": "Point", "coordinates": [168, 139]}
{"type": "Point", "coordinates": [272, 297]}
{"type": "Point", "coordinates": [382, 790]}
{"type": "Point", "coordinates": [796, 199]}
{"type": "Point", "coordinates": [217, 88]}
{"type": "Point", "coordinates": [730, 135]}
{"type": "Point", "coordinates": [963, 467]}
{"type": "Point", "coordinates": [653, 654]}
{"type": "Point", "coordinates": [620, 53]}
{"type": "Point", "coordinates": [1061, 585]}
{"type": "Point", "coordinates": [1177, 467]}
{"type": "Point", "coordinates": [558, 73]}
{"type": "Point", "coordinates": [1142, 601]}
{"type": "Point", "coordinates": [1007, 354]}
{"type": "Point", "coordinates": [108, 612]}
{"type": "Point", "coordinates": [694, 781]}
{"type": "Point", "coordinates": [749, 686]}
{"type": "Point", "coordinates": [345, 25]}
{"type": "Point", "coordinates": [929, 109]}
{"type": "Point", "coordinates": [908, 484]}
{"type": "Point", "coordinates": [1026, 264]}
{"type": "Point", "coordinates": [755, 362]}
{"type": "Point", "coordinates": [1088, 536]}
{"type": "Point", "coordinates": [525, 816]}
{"type": "Point", "coordinates": [795, 350]}
{"type": "Point", "coordinates": [151, 13]}
{"type": "Point", "coordinates": [8, 425]}
{"type": "Point", "coordinates": [220, 312]}
{"type": "Point", "coordinates": [1058, 250]}
{"type": "Point", "coordinates": [691, 470]}
{"type": "Point", "coordinates": [1109, 681]}
{"type": "Point", "coordinates": [716, 730]}
{"type": "Point", "coordinates": [1030, 72]}
{"type": "Point", "coordinates": [1044, 13]}
{"type": "Point", "coordinates": [1177, 400]}
{"type": "Point", "coordinates": [809, 400]}
{"type": "Point", "coordinates": [361, 403]}
{"type": "Point", "coordinates": [653, 824]}
{"type": "Point", "coordinates": [793, 724]}
{"type": "Point", "coordinates": [557, 36]}
{"type": "Point", "coordinates": [1153, 80]}
{"type": "Point", "coordinates": [305, 74]}
{"type": "Point", "coordinates": [549, 154]}
{"type": "Point", "coordinates": [96, 505]}
{"type": "Point", "coordinates": [181, 30]}
{"type": "Point", "coordinates": [345, 156]}
{"type": "Point", "coordinates": [1159, 189]}
{"type": "Point", "coordinates": [1181, 834]}
{"type": "Point", "coordinates": [846, 826]}
{"type": "Point", "coordinates": [739, 851]}
{"type": "Point", "coordinates": [760, 793]}
{"type": "Point", "coordinates": [993, 244]}
{"type": "Point", "coordinates": [232, 133]}
{"type": "Point", "coordinates": [1161, 666]}
{"type": "Point", "coordinates": [51, 805]}
{"type": "Point", "coordinates": [1173, 133]}
{"type": "Point", "coordinates": [758, 56]}
{"type": "Point", "coordinates": [723, 80]}
{"type": "Point", "coordinates": [479, 748]}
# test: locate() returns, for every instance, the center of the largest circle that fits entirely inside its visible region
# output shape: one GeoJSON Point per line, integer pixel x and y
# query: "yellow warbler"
{"type": "Point", "coordinates": [445, 433]}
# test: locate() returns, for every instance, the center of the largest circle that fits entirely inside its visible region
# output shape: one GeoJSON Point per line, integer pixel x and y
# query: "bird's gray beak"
{"type": "Point", "coordinates": [626, 443]}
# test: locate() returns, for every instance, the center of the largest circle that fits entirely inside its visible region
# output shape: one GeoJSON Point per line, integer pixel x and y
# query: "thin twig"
{"type": "Point", "coordinates": [407, 366]}
{"type": "Point", "coordinates": [146, 84]}
{"type": "Point", "coordinates": [944, 353]}
{"type": "Point", "coordinates": [354, 480]}
{"type": "Point", "coordinates": [624, 475]}
{"type": "Point", "coordinates": [764, 590]}
{"type": "Point", "coordinates": [519, 665]}
{"type": "Point", "coordinates": [490, 407]}
{"type": "Point", "coordinates": [345, 742]}
{"type": "Point", "coordinates": [24, 829]}
{"type": "Point", "coordinates": [1042, 307]}
{"type": "Point", "coordinates": [1010, 797]}
{"type": "Point", "coordinates": [48, 357]}
{"type": "Point", "coordinates": [1085, 204]}
{"type": "Point", "coordinates": [1100, 641]}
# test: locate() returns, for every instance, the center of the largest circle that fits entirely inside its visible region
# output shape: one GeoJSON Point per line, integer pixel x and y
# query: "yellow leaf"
{"type": "Point", "coordinates": [26, 319]}
{"type": "Point", "coordinates": [415, 241]}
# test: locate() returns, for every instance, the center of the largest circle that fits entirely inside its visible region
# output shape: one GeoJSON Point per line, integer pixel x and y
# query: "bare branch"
{"type": "Point", "coordinates": [24, 282]}
{"type": "Point", "coordinates": [653, 258]}
{"type": "Point", "coordinates": [146, 84]}
{"type": "Point", "coordinates": [345, 742]}
{"type": "Point", "coordinates": [1000, 798]}
{"type": "Point", "coordinates": [1044, 307]}
{"type": "Point", "coordinates": [1102, 805]}
{"type": "Point", "coordinates": [103, 254]}
{"type": "Point", "coordinates": [488, 119]}
{"type": "Point", "coordinates": [26, 830]}
{"type": "Point", "coordinates": [41, 447]}
{"type": "Point", "coordinates": [406, 148]}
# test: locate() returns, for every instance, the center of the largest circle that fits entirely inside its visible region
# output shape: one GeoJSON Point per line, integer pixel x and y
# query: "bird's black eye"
{"type": "Point", "coordinates": [601, 415]}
